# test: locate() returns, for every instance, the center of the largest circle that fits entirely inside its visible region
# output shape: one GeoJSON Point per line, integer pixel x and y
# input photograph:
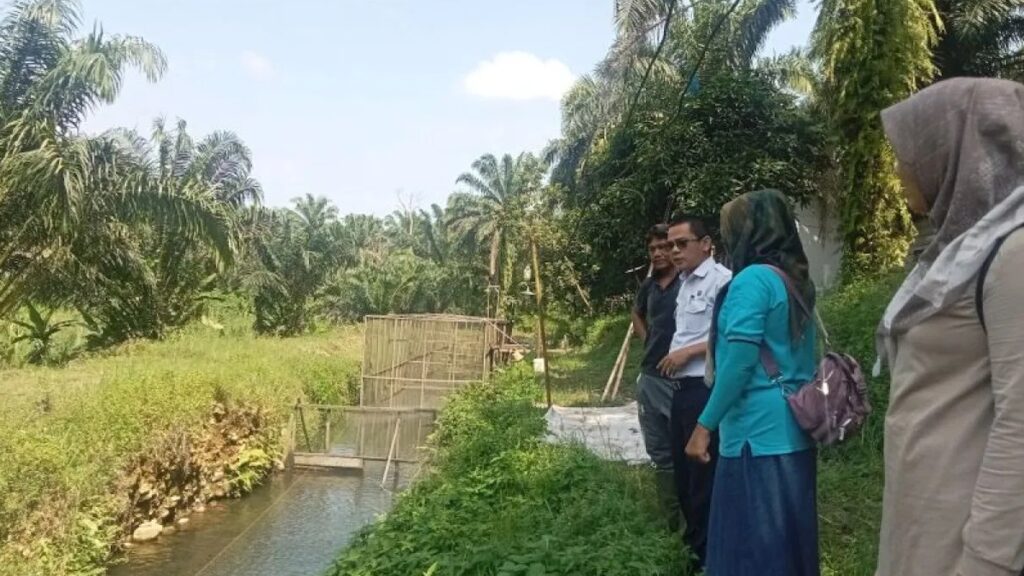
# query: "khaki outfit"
{"type": "Point", "coordinates": [954, 436]}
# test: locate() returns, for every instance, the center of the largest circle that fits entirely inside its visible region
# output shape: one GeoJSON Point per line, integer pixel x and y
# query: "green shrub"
{"type": "Point", "coordinates": [500, 501]}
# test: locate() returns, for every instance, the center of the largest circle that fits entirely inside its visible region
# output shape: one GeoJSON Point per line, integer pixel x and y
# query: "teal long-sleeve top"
{"type": "Point", "coordinates": [746, 406]}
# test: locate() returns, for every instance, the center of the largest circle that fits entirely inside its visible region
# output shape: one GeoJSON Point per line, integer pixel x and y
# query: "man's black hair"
{"type": "Point", "coordinates": [657, 232]}
{"type": "Point", "coordinates": [697, 225]}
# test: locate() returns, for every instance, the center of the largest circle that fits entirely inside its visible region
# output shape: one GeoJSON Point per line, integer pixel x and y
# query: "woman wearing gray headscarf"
{"type": "Point", "coordinates": [954, 338]}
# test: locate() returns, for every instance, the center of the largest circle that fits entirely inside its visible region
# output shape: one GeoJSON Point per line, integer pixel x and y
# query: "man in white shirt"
{"type": "Point", "coordinates": [702, 280]}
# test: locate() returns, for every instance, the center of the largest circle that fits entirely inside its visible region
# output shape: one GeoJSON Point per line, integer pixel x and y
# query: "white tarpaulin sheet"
{"type": "Point", "coordinates": [613, 433]}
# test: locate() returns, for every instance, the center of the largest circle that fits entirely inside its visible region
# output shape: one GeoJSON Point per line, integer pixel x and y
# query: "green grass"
{"type": "Point", "coordinates": [66, 433]}
{"type": "Point", "coordinates": [500, 501]}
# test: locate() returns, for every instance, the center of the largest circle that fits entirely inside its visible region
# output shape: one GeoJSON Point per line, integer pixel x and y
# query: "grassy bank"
{"type": "Point", "coordinates": [67, 434]}
{"type": "Point", "coordinates": [500, 501]}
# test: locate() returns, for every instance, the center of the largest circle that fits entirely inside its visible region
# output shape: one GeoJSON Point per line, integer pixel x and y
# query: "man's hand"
{"type": "Point", "coordinates": [671, 364]}
{"type": "Point", "coordinates": [697, 447]}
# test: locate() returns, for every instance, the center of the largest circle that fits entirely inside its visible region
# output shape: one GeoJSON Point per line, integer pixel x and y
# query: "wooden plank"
{"type": "Point", "coordinates": [308, 460]}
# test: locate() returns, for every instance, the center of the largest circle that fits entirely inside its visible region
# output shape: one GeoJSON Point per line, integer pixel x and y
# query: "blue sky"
{"type": "Point", "coordinates": [366, 101]}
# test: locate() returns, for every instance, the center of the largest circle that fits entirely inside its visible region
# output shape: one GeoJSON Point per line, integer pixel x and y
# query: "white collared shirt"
{"type": "Point", "coordinates": [694, 307]}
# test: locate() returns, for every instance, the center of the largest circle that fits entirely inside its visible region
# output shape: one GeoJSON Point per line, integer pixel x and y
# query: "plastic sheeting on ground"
{"type": "Point", "coordinates": [613, 433]}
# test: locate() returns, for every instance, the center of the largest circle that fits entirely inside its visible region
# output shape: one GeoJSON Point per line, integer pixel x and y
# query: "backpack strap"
{"type": "Point", "coordinates": [979, 287]}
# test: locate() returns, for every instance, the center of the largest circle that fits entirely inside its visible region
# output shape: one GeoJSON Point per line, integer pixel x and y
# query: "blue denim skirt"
{"type": "Point", "coordinates": [764, 516]}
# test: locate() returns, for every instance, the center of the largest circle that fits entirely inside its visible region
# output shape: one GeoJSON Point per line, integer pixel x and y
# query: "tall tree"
{"type": "Point", "coordinates": [873, 53]}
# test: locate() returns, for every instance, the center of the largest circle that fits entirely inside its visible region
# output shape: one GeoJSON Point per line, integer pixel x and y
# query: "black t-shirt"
{"type": "Point", "coordinates": [657, 306]}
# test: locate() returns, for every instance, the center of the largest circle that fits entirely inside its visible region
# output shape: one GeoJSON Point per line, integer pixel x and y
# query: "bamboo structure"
{"type": "Point", "coordinates": [410, 365]}
{"type": "Point", "coordinates": [414, 361]}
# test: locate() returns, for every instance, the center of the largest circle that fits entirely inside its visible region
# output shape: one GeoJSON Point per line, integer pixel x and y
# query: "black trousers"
{"type": "Point", "coordinates": [693, 479]}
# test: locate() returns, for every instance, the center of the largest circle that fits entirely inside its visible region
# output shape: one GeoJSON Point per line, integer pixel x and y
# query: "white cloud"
{"type": "Point", "coordinates": [519, 76]}
{"type": "Point", "coordinates": [257, 65]}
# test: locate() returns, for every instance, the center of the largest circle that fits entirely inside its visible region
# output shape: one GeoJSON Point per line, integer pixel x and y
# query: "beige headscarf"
{"type": "Point", "coordinates": [962, 141]}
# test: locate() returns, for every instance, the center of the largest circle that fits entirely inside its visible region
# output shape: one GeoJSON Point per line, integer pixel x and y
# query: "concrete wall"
{"type": "Point", "coordinates": [822, 245]}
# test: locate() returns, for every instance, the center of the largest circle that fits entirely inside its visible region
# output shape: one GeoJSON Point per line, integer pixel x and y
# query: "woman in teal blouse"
{"type": "Point", "coordinates": [763, 505]}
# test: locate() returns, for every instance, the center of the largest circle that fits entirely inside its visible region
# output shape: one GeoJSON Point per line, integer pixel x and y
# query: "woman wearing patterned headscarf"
{"type": "Point", "coordinates": [763, 507]}
{"type": "Point", "coordinates": [953, 337]}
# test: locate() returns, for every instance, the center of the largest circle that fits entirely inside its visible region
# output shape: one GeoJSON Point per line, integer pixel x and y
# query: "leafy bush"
{"type": "Point", "coordinates": [500, 501]}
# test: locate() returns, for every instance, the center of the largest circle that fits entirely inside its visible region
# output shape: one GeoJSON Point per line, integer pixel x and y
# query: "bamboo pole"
{"type": "Point", "coordinates": [423, 366]}
{"type": "Point", "coordinates": [542, 344]}
{"type": "Point", "coordinates": [327, 432]}
{"type": "Point", "coordinates": [305, 433]}
{"type": "Point", "coordinates": [394, 369]}
{"type": "Point", "coordinates": [619, 360]}
{"type": "Point", "coordinates": [622, 368]}
{"type": "Point", "coordinates": [391, 451]}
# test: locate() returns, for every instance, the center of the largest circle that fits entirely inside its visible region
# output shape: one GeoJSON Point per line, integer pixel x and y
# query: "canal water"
{"type": "Point", "coordinates": [295, 525]}
{"type": "Point", "coordinates": [300, 520]}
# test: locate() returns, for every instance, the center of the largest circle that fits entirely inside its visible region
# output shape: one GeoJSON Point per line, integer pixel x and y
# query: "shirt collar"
{"type": "Point", "coordinates": [702, 270]}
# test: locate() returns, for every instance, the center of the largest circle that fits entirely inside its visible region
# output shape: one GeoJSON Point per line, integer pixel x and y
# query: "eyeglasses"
{"type": "Point", "coordinates": [682, 243]}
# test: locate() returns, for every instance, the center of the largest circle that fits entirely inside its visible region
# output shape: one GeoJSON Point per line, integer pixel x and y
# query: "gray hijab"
{"type": "Point", "coordinates": [962, 141]}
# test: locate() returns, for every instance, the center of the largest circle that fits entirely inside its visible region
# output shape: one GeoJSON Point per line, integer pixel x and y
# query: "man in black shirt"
{"type": "Point", "coordinates": [654, 321]}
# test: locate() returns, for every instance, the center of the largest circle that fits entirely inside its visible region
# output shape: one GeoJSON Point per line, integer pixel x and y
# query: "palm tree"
{"type": "Point", "coordinates": [141, 274]}
{"type": "Point", "coordinates": [663, 44]}
{"type": "Point", "coordinates": [302, 247]}
{"type": "Point", "coordinates": [688, 36]}
{"type": "Point", "coordinates": [491, 213]}
{"type": "Point", "coordinates": [437, 238]}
